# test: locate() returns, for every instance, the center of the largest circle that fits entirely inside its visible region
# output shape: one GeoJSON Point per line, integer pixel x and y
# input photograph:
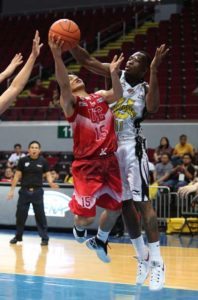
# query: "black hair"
{"type": "Point", "coordinates": [167, 154]}
{"type": "Point", "coordinates": [188, 154]}
{"type": "Point", "coordinates": [34, 142]}
{"type": "Point", "coordinates": [183, 136]}
{"type": "Point", "coordinates": [148, 58]}
{"type": "Point", "coordinates": [167, 141]}
{"type": "Point", "coordinates": [17, 145]}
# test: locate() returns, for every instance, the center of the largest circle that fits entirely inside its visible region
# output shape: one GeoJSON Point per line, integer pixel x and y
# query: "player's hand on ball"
{"type": "Point", "coordinates": [36, 47]}
{"type": "Point", "coordinates": [55, 45]}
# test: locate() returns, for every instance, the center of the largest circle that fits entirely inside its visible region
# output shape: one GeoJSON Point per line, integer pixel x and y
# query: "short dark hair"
{"type": "Point", "coordinates": [183, 136]}
{"type": "Point", "coordinates": [148, 58]}
{"type": "Point", "coordinates": [189, 155]}
{"type": "Point", "coordinates": [17, 145]}
{"type": "Point", "coordinates": [34, 142]}
{"type": "Point", "coordinates": [167, 154]}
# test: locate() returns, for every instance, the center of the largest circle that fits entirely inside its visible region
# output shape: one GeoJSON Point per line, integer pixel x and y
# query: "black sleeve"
{"type": "Point", "coordinates": [20, 165]}
{"type": "Point", "coordinates": [45, 166]}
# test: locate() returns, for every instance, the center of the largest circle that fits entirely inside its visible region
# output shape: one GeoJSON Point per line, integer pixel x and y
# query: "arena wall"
{"type": "Point", "coordinates": [52, 138]}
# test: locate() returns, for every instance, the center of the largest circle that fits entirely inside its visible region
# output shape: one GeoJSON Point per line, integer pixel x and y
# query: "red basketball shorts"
{"type": "Point", "coordinates": [96, 182]}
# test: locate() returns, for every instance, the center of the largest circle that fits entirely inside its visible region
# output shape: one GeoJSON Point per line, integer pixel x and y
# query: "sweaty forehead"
{"type": "Point", "coordinates": [72, 77]}
{"type": "Point", "coordinates": [137, 55]}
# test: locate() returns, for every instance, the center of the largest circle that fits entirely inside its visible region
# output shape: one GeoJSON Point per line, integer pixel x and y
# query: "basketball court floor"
{"type": "Point", "coordinates": [68, 270]}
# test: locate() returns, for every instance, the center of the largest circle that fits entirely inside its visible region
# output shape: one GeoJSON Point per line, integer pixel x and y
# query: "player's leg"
{"type": "Point", "coordinates": [126, 155]}
{"type": "Point", "coordinates": [83, 200]}
{"type": "Point", "coordinates": [139, 187]}
{"type": "Point", "coordinates": [99, 242]}
{"type": "Point", "coordinates": [80, 225]}
{"type": "Point", "coordinates": [132, 221]}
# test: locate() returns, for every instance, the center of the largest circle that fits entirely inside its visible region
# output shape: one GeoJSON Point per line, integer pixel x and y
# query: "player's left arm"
{"type": "Point", "coordinates": [115, 70]}
{"type": "Point", "coordinates": [153, 96]}
{"type": "Point", "coordinates": [114, 94]}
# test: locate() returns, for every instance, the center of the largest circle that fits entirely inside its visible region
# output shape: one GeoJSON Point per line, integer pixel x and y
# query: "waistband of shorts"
{"type": "Point", "coordinates": [96, 157]}
{"type": "Point", "coordinates": [31, 189]}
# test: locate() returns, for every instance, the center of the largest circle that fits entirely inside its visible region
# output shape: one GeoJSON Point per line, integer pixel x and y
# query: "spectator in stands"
{"type": "Point", "coordinates": [14, 158]}
{"type": "Point", "coordinates": [164, 147]}
{"type": "Point", "coordinates": [55, 102]}
{"type": "Point", "coordinates": [181, 148]}
{"type": "Point", "coordinates": [21, 79]}
{"type": "Point", "coordinates": [182, 174]}
{"type": "Point", "coordinates": [38, 90]}
{"type": "Point", "coordinates": [55, 175]}
{"type": "Point", "coordinates": [8, 175]}
{"type": "Point", "coordinates": [163, 169]}
{"type": "Point", "coordinates": [69, 177]}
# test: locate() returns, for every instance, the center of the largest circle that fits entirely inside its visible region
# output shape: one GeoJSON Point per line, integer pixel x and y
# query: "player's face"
{"type": "Point", "coordinates": [76, 83]}
{"type": "Point", "coordinates": [136, 65]}
{"type": "Point", "coordinates": [34, 150]}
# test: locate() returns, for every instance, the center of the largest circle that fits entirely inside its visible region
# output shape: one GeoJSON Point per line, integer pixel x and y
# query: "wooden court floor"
{"type": "Point", "coordinates": [65, 263]}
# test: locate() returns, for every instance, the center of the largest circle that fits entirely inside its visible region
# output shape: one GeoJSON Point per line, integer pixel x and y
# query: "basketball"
{"type": "Point", "coordinates": [68, 31]}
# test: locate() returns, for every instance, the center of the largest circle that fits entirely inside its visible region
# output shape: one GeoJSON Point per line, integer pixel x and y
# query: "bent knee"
{"type": "Point", "coordinates": [83, 221]}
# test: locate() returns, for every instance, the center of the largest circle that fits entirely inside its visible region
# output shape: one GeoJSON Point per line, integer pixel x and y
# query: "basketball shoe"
{"type": "Point", "coordinates": [157, 278]}
{"type": "Point", "coordinates": [143, 269]}
{"type": "Point", "coordinates": [80, 235]}
{"type": "Point", "coordinates": [100, 247]}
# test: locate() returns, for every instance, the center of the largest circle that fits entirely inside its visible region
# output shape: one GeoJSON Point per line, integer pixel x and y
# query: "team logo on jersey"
{"type": "Point", "coordinates": [27, 164]}
{"type": "Point", "coordinates": [93, 103]}
{"type": "Point", "coordinates": [103, 151]}
{"type": "Point", "coordinates": [40, 166]}
{"type": "Point", "coordinates": [83, 103]}
{"type": "Point", "coordinates": [99, 100]}
{"type": "Point", "coordinates": [124, 108]}
{"type": "Point", "coordinates": [131, 91]}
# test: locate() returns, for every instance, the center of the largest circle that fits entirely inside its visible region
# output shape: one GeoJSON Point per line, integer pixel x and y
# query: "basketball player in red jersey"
{"type": "Point", "coordinates": [95, 168]}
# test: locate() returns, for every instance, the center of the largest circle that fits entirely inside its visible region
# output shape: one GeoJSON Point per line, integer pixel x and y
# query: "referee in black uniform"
{"type": "Point", "coordinates": [30, 172]}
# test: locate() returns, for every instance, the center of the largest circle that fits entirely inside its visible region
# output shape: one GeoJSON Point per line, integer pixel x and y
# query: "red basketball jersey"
{"type": "Point", "coordinates": [93, 128]}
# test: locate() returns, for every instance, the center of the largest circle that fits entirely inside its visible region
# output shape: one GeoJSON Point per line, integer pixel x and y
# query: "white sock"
{"type": "Point", "coordinates": [79, 228]}
{"type": "Point", "coordinates": [140, 248]}
{"type": "Point", "coordinates": [102, 235]}
{"type": "Point", "coordinates": [154, 251]}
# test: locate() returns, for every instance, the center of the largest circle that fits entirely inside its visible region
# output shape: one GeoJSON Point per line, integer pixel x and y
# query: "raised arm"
{"type": "Point", "coordinates": [90, 62]}
{"type": "Point", "coordinates": [15, 62]}
{"type": "Point", "coordinates": [116, 92]}
{"type": "Point", "coordinates": [67, 100]}
{"type": "Point", "coordinates": [21, 79]}
{"type": "Point", "coordinates": [153, 97]}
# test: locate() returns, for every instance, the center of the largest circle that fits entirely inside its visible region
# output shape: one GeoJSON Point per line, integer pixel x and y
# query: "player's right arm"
{"type": "Point", "coordinates": [67, 100]}
{"type": "Point", "coordinates": [90, 62]}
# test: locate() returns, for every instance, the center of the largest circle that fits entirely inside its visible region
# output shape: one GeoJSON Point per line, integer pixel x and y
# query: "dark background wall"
{"type": "Point", "coordinates": [22, 6]}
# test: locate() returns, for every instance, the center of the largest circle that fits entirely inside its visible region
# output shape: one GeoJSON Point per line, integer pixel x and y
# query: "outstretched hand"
{"type": "Point", "coordinates": [116, 62]}
{"type": "Point", "coordinates": [55, 45]}
{"type": "Point", "coordinates": [36, 47]}
{"type": "Point", "coordinates": [17, 60]}
{"type": "Point", "coordinates": [160, 54]}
